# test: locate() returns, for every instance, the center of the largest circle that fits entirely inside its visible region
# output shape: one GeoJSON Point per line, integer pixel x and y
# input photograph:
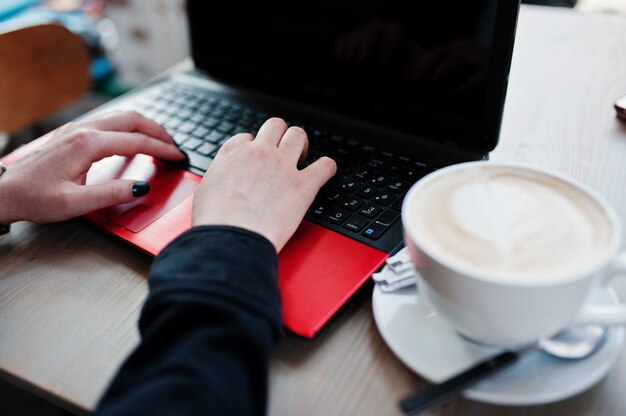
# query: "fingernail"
{"type": "Point", "coordinates": [140, 189]}
{"type": "Point", "coordinates": [184, 154]}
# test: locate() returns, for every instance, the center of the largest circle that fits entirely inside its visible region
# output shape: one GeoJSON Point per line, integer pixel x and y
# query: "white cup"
{"type": "Point", "coordinates": [493, 308]}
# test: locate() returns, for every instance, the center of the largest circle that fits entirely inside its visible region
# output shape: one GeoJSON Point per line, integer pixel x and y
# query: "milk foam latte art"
{"type": "Point", "coordinates": [509, 253]}
{"type": "Point", "coordinates": [510, 223]}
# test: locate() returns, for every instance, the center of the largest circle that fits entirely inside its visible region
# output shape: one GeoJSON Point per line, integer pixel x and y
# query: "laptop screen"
{"type": "Point", "coordinates": [436, 69]}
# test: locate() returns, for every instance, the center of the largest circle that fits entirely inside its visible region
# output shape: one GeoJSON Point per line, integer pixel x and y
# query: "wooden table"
{"type": "Point", "coordinates": [70, 295]}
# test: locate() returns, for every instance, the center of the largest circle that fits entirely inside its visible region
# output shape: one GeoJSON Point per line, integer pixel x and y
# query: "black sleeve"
{"type": "Point", "coordinates": [207, 329]}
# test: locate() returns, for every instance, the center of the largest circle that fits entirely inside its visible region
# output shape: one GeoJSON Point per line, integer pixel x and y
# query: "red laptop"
{"type": "Point", "coordinates": [391, 91]}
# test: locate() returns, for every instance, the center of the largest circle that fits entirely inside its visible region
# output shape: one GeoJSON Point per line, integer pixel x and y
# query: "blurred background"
{"type": "Point", "coordinates": [127, 43]}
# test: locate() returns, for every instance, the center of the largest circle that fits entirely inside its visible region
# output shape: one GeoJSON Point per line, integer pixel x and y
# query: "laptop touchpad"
{"type": "Point", "coordinates": [169, 187]}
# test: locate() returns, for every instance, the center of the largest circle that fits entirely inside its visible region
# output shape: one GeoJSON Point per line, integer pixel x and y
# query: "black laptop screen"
{"type": "Point", "coordinates": [434, 68]}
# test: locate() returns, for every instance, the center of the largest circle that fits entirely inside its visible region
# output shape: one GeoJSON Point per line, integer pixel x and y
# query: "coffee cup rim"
{"type": "Point", "coordinates": [610, 253]}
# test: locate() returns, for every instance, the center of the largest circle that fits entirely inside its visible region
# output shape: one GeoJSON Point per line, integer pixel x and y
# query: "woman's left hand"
{"type": "Point", "coordinates": [49, 184]}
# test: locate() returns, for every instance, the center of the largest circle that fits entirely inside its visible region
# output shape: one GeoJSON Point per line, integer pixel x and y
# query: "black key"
{"type": "Point", "coordinates": [184, 113]}
{"type": "Point", "coordinates": [246, 120]}
{"type": "Point", "coordinates": [376, 163]}
{"type": "Point", "coordinates": [333, 183]}
{"type": "Point", "coordinates": [239, 129]}
{"type": "Point", "coordinates": [334, 197]}
{"type": "Point", "coordinates": [384, 197]}
{"type": "Point", "coordinates": [192, 144]}
{"type": "Point", "coordinates": [218, 112]}
{"type": "Point", "coordinates": [338, 216]}
{"type": "Point", "coordinates": [187, 127]}
{"type": "Point", "coordinates": [319, 209]}
{"type": "Point", "coordinates": [312, 157]}
{"type": "Point", "coordinates": [374, 231]}
{"type": "Point", "coordinates": [355, 223]}
{"type": "Point", "coordinates": [180, 138]}
{"type": "Point", "coordinates": [380, 180]}
{"type": "Point", "coordinates": [149, 112]}
{"type": "Point", "coordinates": [370, 210]}
{"type": "Point", "coordinates": [198, 161]}
{"type": "Point", "coordinates": [206, 149]}
{"type": "Point", "coordinates": [413, 173]}
{"type": "Point", "coordinates": [232, 116]}
{"type": "Point", "coordinates": [257, 125]}
{"type": "Point", "coordinates": [342, 152]}
{"type": "Point", "coordinates": [200, 132]}
{"type": "Point", "coordinates": [214, 137]}
{"type": "Point", "coordinates": [388, 217]}
{"type": "Point", "coordinates": [350, 185]}
{"type": "Point", "coordinates": [211, 122]}
{"type": "Point", "coordinates": [192, 100]}
{"type": "Point", "coordinates": [397, 185]}
{"type": "Point", "coordinates": [353, 203]}
{"type": "Point", "coordinates": [225, 126]}
{"type": "Point", "coordinates": [202, 110]}
{"type": "Point", "coordinates": [317, 133]}
{"type": "Point", "coordinates": [393, 168]}
{"type": "Point", "coordinates": [367, 191]}
{"type": "Point", "coordinates": [397, 204]}
{"type": "Point", "coordinates": [173, 123]}
{"type": "Point", "coordinates": [343, 166]}
{"type": "Point", "coordinates": [161, 119]}
{"type": "Point", "coordinates": [363, 174]}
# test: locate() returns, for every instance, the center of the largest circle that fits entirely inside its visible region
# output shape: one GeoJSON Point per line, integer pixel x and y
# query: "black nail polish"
{"type": "Point", "coordinates": [140, 189]}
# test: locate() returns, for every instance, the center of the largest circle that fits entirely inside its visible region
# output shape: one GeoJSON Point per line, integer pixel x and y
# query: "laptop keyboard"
{"type": "Point", "coordinates": [363, 200]}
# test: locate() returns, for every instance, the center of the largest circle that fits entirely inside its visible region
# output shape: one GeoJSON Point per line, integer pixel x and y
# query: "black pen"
{"type": "Point", "coordinates": [441, 393]}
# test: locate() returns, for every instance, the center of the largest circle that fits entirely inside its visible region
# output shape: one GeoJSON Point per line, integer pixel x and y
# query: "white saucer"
{"type": "Point", "coordinates": [428, 345]}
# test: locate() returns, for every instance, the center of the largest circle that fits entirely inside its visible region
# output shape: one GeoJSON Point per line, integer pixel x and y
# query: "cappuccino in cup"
{"type": "Point", "coordinates": [509, 253]}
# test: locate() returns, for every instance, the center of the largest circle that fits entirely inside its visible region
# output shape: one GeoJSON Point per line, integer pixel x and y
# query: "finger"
{"type": "Point", "coordinates": [106, 143]}
{"type": "Point", "coordinates": [295, 144]}
{"type": "Point", "coordinates": [271, 131]}
{"type": "Point", "coordinates": [240, 138]}
{"type": "Point", "coordinates": [130, 121]}
{"type": "Point", "coordinates": [233, 143]}
{"type": "Point", "coordinates": [319, 172]}
{"type": "Point", "coordinates": [90, 198]}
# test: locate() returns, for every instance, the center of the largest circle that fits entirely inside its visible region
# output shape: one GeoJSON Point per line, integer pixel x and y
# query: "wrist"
{"type": "Point", "coordinates": [8, 199]}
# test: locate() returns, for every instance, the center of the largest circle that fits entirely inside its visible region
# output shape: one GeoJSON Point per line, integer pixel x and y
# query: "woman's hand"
{"type": "Point", "coordinates": [254, 183]}
{"type": "Point", "coordinates": [49, 184]}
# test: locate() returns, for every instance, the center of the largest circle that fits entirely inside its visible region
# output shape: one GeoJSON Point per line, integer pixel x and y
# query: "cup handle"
{"type": "Point", "coordinates": [606, 315]}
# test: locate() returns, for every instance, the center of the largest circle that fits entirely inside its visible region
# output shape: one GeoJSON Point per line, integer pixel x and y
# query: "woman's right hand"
{"type": "Point", "coordinates": [255, 183]}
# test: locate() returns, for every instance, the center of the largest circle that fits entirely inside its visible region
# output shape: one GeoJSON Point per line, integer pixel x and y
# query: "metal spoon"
{"type": "Point", "coordinates": [574, 343]}
{"type": "Point", "coordinates": [570, 344]}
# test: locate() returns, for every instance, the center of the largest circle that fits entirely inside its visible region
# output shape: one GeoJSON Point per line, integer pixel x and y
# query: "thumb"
{"type": "Point", "coordinates": [93, 197]}
{"type": "Point", "coordinates": [319, 172]}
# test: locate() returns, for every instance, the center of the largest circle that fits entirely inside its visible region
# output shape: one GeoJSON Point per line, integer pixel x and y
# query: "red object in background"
{"type": "Point", "coordinates": [620, 108]}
